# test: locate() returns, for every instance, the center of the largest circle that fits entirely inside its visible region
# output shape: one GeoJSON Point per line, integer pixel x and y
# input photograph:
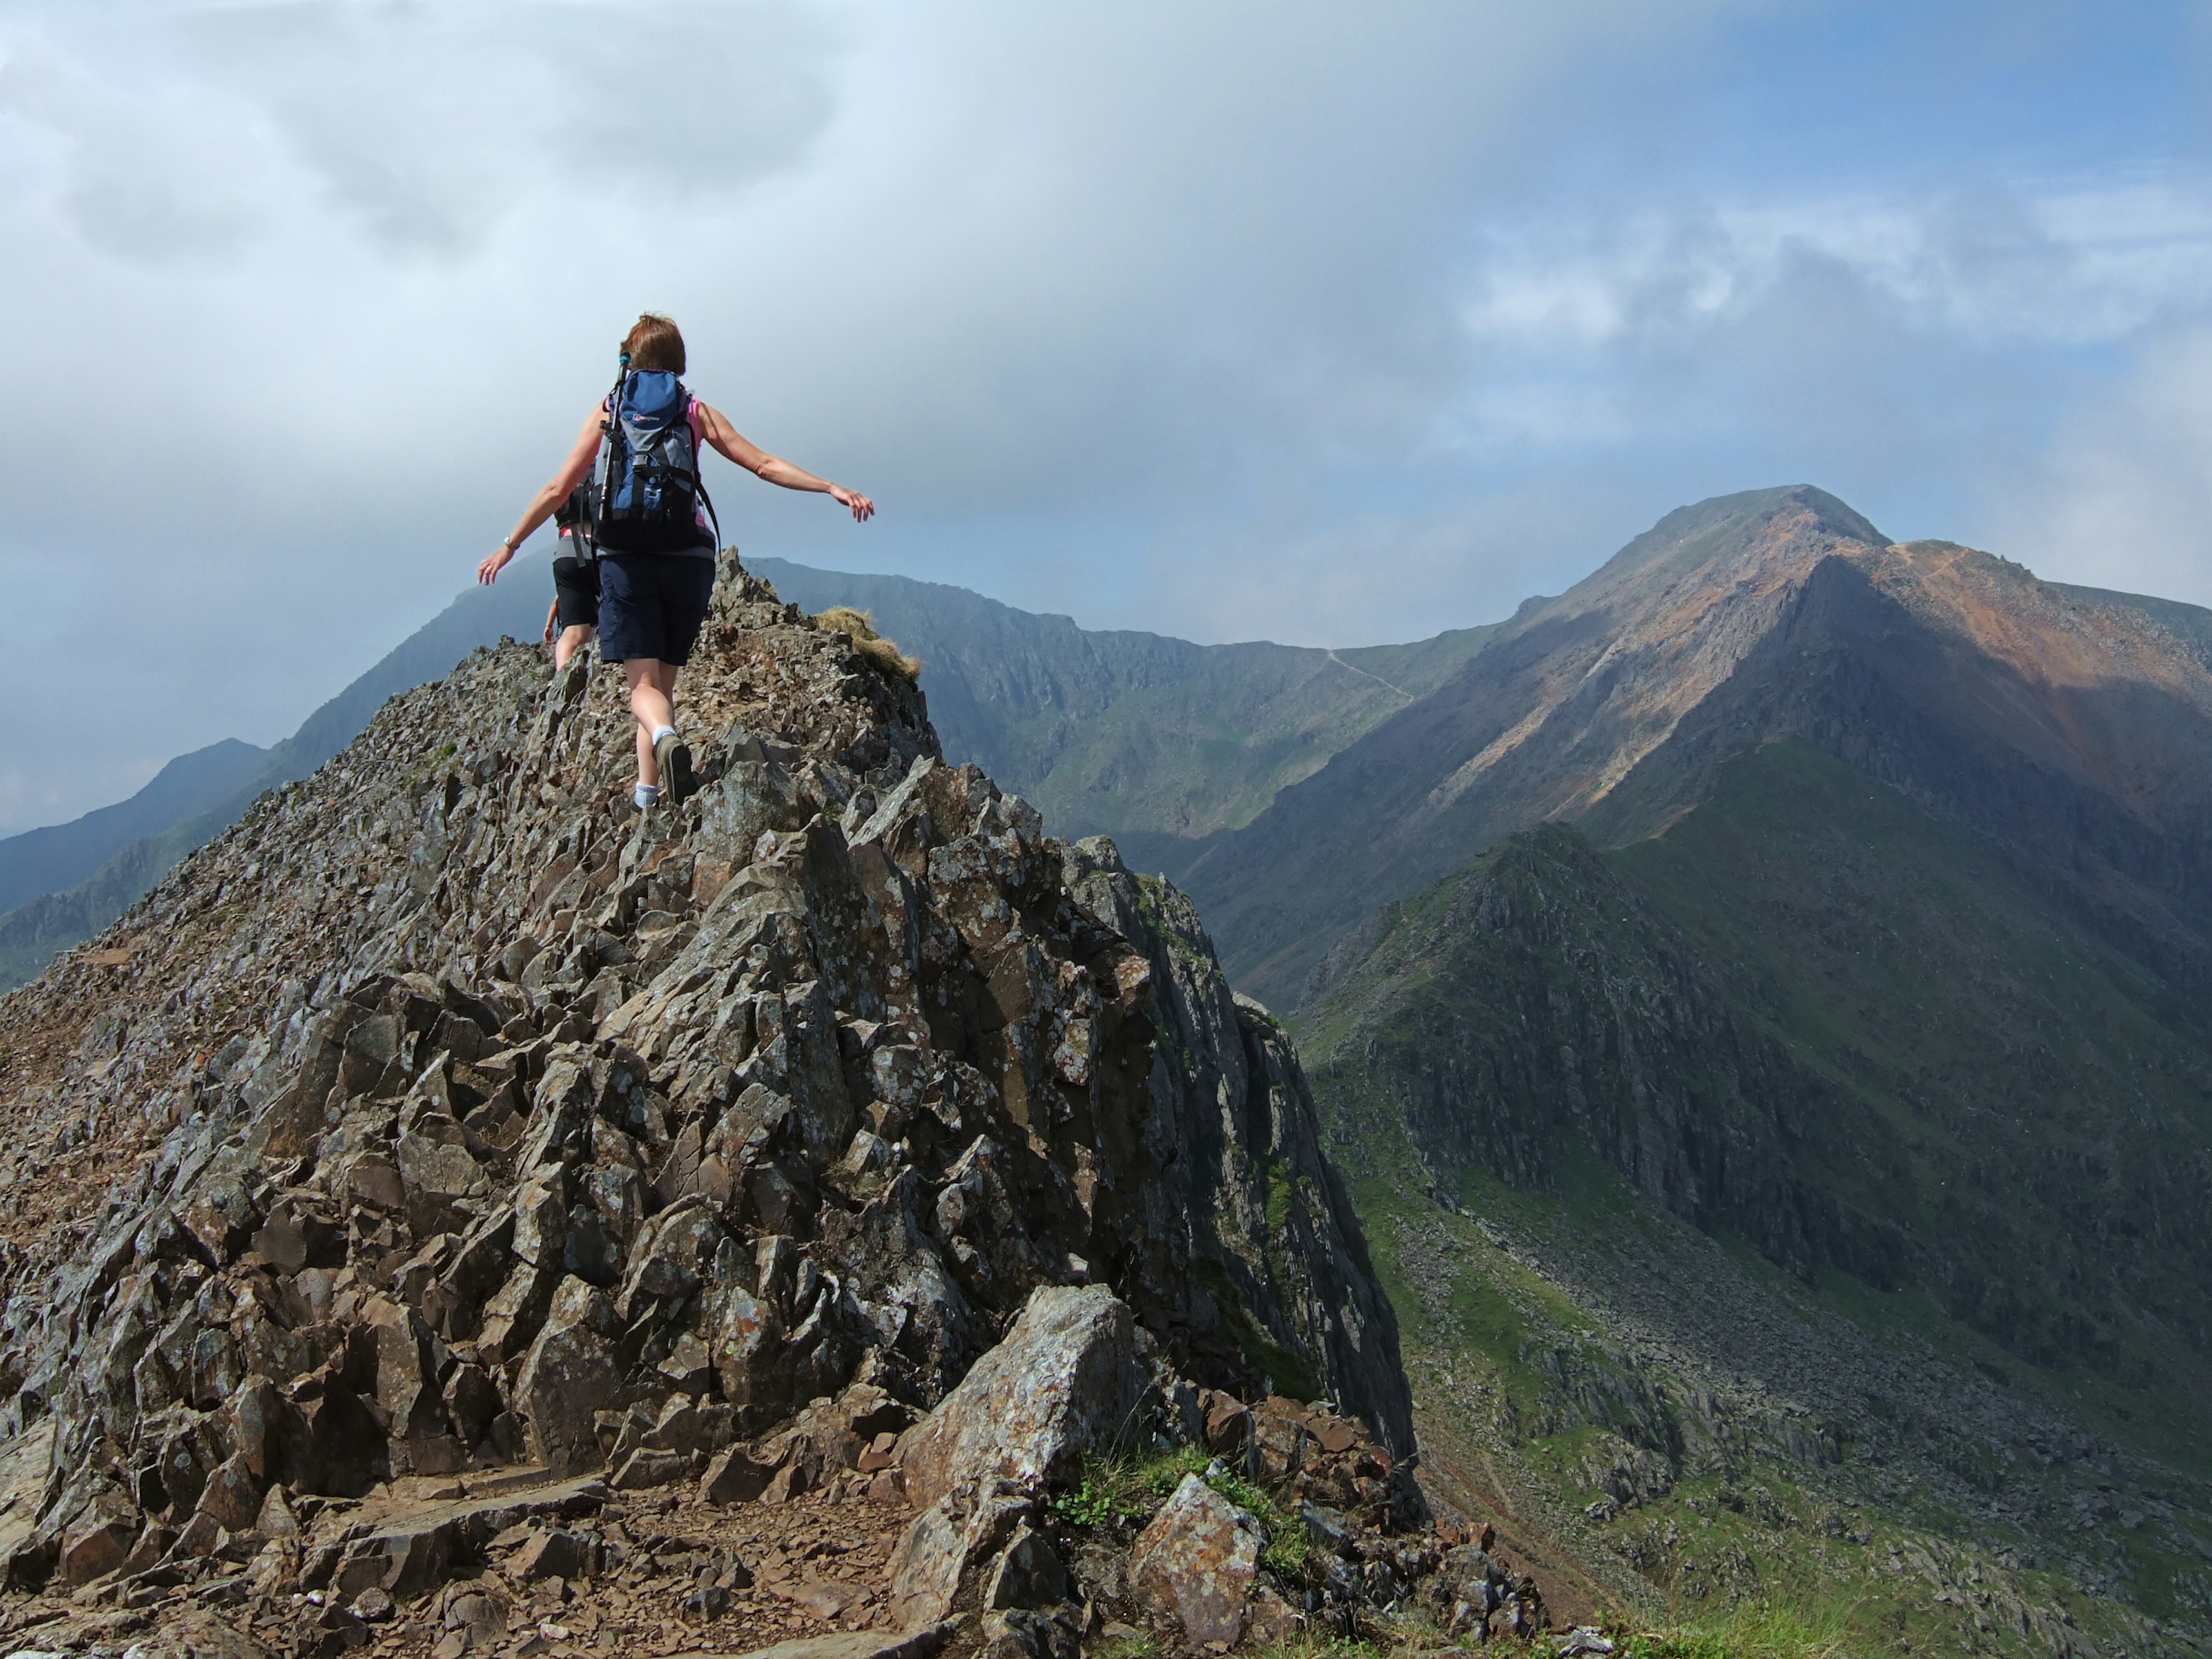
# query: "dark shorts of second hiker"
{"type": "Point", "coordinates": [576, 590]}
{"type": "Point", "coordinates": [651, 604]}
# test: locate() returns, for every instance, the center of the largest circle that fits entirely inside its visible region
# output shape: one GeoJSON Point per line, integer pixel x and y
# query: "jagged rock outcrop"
{"type": "Point", "coordinates": [444, 1115]}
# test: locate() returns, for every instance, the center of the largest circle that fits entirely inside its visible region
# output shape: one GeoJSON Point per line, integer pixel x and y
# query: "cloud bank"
{"type": "Point", "coordinates": [1320, 323]}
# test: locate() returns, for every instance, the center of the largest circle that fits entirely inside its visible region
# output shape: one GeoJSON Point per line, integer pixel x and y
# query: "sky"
{"type": "Point", "coordinates": [1318, 323]}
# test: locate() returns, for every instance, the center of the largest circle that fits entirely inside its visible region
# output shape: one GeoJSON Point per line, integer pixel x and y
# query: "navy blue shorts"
{"type": "Point", "coordinates": [651, 604]}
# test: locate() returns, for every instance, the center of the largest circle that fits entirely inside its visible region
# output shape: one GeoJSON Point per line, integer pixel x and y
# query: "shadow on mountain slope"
{"type": "Point", "coordinates": [1930, 1082]}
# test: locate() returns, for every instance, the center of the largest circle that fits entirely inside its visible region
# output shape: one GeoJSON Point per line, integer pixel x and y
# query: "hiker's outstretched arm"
{"type": "Point", "coordinates": [574, 471]}
{"type": "Point", "coordinates": [715, 428]}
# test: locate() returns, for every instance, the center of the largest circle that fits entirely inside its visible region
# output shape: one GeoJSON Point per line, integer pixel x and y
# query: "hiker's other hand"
{"type": "Point", "coordinates": [552, 612]}
{"type": "Point", "coordinates": [490, 569]}
{"type": "Point", "coordinates": [863, 508]}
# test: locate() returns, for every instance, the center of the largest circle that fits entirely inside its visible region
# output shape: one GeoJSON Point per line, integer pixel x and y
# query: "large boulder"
{"type": "Point", "coordinates": [1196, 1562]}
{"type": "Point", "coordinates": [942, 1557]}
{"type": "Point", "coordinates": [1064, 1381]}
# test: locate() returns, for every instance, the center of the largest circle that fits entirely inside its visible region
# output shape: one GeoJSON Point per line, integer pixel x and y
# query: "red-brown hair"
{"type": "Point", "coordinates": [653, 343]}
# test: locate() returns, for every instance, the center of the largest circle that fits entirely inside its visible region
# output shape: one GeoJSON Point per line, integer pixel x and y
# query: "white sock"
{"type": "Point", "coordinates": [660, 731]}
{"type": "Point", "coordinates": [645, 795]}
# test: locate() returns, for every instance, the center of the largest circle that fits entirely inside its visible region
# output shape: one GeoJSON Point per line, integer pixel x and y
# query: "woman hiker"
{"type": "Point", "coordinates": [656, 548]}
{"type": "Point", "coordinates": [576, 608]}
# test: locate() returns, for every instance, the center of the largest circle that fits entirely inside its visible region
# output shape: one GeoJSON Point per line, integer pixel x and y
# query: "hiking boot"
{"type": "Point", "coordinates": [673, 756]}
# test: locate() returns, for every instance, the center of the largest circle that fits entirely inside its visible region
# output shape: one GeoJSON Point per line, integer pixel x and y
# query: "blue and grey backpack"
{"type": "Point", "coordinates": [648, 488]}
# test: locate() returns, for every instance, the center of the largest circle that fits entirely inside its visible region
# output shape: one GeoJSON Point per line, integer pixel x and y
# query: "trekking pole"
{"type": "Point", "coordinates": [610, 426]}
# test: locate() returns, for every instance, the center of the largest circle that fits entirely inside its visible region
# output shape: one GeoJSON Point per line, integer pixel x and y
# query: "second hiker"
{"type": "Point", "coordinates": [655, 534]}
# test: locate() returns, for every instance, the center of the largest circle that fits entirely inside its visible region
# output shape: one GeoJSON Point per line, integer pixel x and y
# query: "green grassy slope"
{"type": "Point", "coordinates": [1702, 1453]}
{"type": "Point", "coordinates": [60, 855]}
{"type": "Point", "coordinates": [1821, 1105]}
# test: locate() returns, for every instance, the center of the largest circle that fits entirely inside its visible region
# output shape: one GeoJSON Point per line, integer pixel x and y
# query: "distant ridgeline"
{"type": "Point", "coordinates": [1160, 742]}
{"type": "Point", "coordinates": [1155, 740]}
{"type": "Point", "coordinates": [61, 885]}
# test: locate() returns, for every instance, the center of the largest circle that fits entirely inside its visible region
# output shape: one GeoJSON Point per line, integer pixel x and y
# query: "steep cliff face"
{"type": "Point", "coordinates": [1911, 1065]}
{"type": "Point", "coordinates": [1271, 1232]}
{"type": "Point", "coordinates": [1816, 1015]}
{"type": "Point", "coordinates": [443, 1100]}
{"type": "Point", "coordinates": [1533, 1007]}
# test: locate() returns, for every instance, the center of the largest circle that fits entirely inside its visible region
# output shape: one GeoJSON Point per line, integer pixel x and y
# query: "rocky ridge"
{"type": "Point", "coordinates": [445, 1164]}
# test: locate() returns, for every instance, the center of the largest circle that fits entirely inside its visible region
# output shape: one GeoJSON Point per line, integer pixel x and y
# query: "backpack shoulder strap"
{"type": "Point", "coordinates": [699, 482]}
{"type": "Point", "coordinates": [699, 464]}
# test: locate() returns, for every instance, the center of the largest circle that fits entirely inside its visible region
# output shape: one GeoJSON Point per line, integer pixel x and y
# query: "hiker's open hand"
{"type": "Point", "coordinates": [863, 508]}
{"type": "Point", "coordinates": [488, 570]}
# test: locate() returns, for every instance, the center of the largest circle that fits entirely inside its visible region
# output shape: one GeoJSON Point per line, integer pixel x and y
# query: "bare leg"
{"type": "Point", "coordinates": [653, 700]}
{"type": "Point", "coordinates": [572, 640]}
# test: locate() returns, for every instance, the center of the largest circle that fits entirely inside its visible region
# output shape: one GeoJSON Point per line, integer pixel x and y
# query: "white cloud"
{"type": "Point", "coordinates": [1903, 322]}
{"type": "Point", "coordinates": [309, 297]}
{"type": "Point", "coordinates": [2124, 499]}
{"type": "Point", "coordinates": [1219, 318]}
{"type": "Point", "coordinates": [2067, 261]}
{"type": "Point", "coordinates": [173, 131]}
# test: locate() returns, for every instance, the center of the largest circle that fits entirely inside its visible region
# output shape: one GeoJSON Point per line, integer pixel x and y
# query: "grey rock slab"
{"type": "Point", "coordinates": [25, 1463]}
{"type": "Point", "coordinates": [673, 1254]}
{"type": "Point", "coordinates": [1064, 1381]}
{"type": "Point", "coordinates": [735, 1476]}
{"type": "Point", "coordinates": [552, 1555]}
{"type": "Point", "coordinates": [648, 1468]}
{"type": "Point", "coordinates": [1028, 1573]}
{"type": "Point", "coordinates": [941, 1550]}
{"type": "Point", "coordinates": [400, 1542]}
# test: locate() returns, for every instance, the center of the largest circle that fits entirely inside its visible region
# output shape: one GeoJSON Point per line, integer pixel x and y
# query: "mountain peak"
{"type": "Point", "coordinates": [1769, 612]}
{"type": "Point", "coordinates": [1814, 507]}
{"type": "Point", "coordinates": [1716, 537]}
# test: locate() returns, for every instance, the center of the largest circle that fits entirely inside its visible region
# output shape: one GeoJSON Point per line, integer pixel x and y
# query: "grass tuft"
{"type": "Point", "coordinates": [1316, 1646]}
{"type": "Point", "coordinates": [843, 619]}
{"type": "Point", "coordinates": [1115, 1490]}
{"type": "Point", "coordinates": [1129, 1490]}
{"type": "Point", "coordinates": [1751, 1630]}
